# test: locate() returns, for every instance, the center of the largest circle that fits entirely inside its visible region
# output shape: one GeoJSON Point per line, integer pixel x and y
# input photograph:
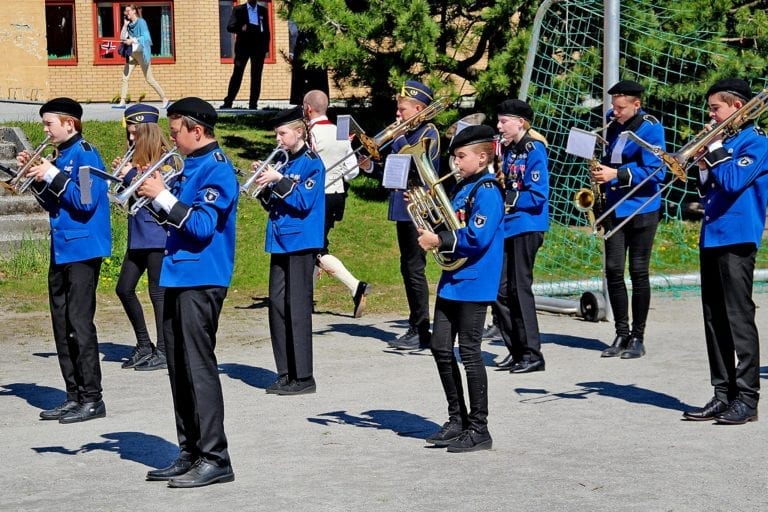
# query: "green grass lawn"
{"type": "Point", "coordinates": [365, 241]}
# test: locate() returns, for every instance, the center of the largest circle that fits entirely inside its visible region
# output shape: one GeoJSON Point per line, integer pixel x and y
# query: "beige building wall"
{"type": "Point", "coordinates": [23, 51]}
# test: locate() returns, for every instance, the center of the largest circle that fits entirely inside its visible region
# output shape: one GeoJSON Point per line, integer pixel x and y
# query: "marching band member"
{"type": "Point", "coordinates": [322, 138]}
{"type": "Point", "coordinates": [295, 199]}
{"type": "Point", "coordinates": [624, 165]}
{"type": "Point", "coordinates": [200, 211]}
{"type": "Point", "coordinates": [734, 181]}
{"type": "Point", "coordinates": [80, 238]}
{"type": "Point", "coordinates": [526, 176]}
{"type": "Point", "coordinates": [463, 295]}
{"type": "Point", "coordinates": [413, 98]}
{"type": "Point", "coordinates": [146, 241]}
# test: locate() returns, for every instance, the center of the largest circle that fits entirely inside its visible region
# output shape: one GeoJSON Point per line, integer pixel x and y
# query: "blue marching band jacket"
{"type": "Point", "coordinates": [634, 164]}
{"type": "Point", "coordinates": [79, 218]}
{"type": "Point", "coordinates": [526, 181]}
{"type": "Point", "coordinates": [296, 205]}
{"type": "Point", "coordinates": [479, 206]}
{"type": "Point", "coordinates": [427, 131]}
{"type": "Point", "coordinates": [200, 250]}
{"type": "Point", "coordinates": [735, 190]}
{"type": "Point", "coordinates": [144, 231]}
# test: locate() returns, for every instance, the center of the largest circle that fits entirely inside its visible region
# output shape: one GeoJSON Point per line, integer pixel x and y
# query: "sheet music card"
{"type": "Point", "coordinates": [581, 143]}
{"type": "Point", "coordinates": [396, 169]}
{"type": "Point", "coordinates": [342, 127]}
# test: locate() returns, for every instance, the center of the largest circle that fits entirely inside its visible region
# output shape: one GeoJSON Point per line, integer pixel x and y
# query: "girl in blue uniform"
{"type": "Point", "coordinates": [526, 183]}
{"type": "Point", "coordinates": [146, 241]}
{"type": "Point", "coordinates": [463, 295]}
{"type": "Point", "coordinates": [624, 165]}
{"type": "Point", "coordinates": [295, 200]}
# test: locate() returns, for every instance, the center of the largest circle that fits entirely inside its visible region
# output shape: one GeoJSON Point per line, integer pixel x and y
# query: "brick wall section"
{"type": "Point", "coordinates": [23, 54]}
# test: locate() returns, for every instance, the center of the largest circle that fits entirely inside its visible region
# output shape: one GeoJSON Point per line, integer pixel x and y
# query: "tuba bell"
{"type": "Point", "coordinates": [431, 209]}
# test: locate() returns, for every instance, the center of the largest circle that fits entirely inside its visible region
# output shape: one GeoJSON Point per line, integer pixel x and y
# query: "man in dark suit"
{"type": "Point", "coordinates": [249, 22]}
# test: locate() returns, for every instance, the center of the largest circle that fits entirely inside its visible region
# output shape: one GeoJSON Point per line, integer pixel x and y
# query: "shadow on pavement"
{"type": "Point", "coordinates": [250, 375]}
{"type": "Point", "coordinates": [574, 341]}
{"type": "Point", "coordinates": [627, 392]}
{"type": "Point", "coordinates": [402, 423]}
{"type": "Point", "coordinates": [114, 352]}
{"type": "Point", "coordinates": [42, 397]}
{"type": "Point", "coordinates": [139, 447]}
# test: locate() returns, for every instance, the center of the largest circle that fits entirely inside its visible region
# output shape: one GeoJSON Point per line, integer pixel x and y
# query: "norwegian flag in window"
{"type": "Point", "coordinates": [107, 48]}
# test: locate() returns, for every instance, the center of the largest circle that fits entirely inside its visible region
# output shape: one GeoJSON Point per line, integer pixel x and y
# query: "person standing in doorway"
{"type": "Point", "coordinates": [250, 25]}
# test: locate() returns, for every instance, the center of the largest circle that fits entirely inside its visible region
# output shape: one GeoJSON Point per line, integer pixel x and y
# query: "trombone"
{"type": "Point", "coordinates": [279, 156]}
{"type": "Point", "coordinates": [374, 145]}
{"type": "Point", "coordinates": [20, 182]}
{"type": "Point", "coordinates": [170, 165]}
{"type": "Point", "coordinates": [678, 162]}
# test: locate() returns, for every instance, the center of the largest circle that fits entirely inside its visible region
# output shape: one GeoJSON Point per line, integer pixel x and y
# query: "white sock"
{"type": "Point", "coordinates": [336, 268]}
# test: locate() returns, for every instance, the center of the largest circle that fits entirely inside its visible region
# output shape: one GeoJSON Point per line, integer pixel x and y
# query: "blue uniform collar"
{"type": "Point", "coordinates": [70, 142]}
{"type": "Point", "coordinates": [204, 150]}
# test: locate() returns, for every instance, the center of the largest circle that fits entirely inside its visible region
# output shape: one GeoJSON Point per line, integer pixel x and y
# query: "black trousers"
{"type": "Point", "coordinates": [136, 262]}
{"type": "Point", "coordinates": [464, 320]}
{"type": "Point", "coordinates": [72, 299]}
{"type": "Point", "coordinates": [290, 312]}
{"type": "Point", "coordinates": [515, 307]}
{"type": "Point", "coordinates": [635, 239]}
{"type": "Point", "coordinates": [413, 263]}
{"type": "Point", "coordinates": [729, 322]}
{"type": "Point", "coordinates": [256, 56]}
{"type": "Point", "coordinates": [190, 321]}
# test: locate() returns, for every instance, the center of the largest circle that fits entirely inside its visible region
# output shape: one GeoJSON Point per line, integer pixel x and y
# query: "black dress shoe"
{"type": "Point", "coordinates": [86, 411]}
{"type": "Point", "coordinates": [281, 382]}
{"type": "Point", "coordinates": [618, 346]}
{"type": "Point", "coordinates": [635, 349]}
{"type": "Point", "coordinates": [177, 468]}
{"type": "Point", "coordinates": [708, 412]}
{"type": "Point", "coordinates": [738, 413]}
{"type": "Point", "coordinates": [528, 367]}
{"type": "Point", "coordinates": [471, 441]}
{"type": "Point", "coordinates": [363, 289]}
{"type": "Point", "coordinates": [449, 431]}
{"type": "Point", "coordinates": [507, 363]}
{"type": "Point", "coordinates": [298, 387]}
{"type": "Point", "coordinates": [56, 412]}
{"type": "Point", "coordinates": [203, 473]}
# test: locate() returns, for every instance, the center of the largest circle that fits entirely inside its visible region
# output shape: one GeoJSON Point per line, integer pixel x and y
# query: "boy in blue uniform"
{"type": "Point", "coordinates": [80, 238]}
{"type": "Point", "coordinates": [295, 199]}
{"type": "Point", "coordinates": [200, 211]}
{"type": "Point", "coordinates": [733, 179]}
{"type": "Point", "coordinates": [624, 165]}
{"type": "Point", "coordinates": [526, 182]}
{"type": "Point", "coordinates": [413, 98]}
{"type": "Point", "coordinates": [463, 295]}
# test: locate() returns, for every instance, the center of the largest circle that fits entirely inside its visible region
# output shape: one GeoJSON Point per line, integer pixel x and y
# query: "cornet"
{"type": "Point", "coordinates": [20, 183]}
{"type": "Point", "coordinates": [170, 165]}
{"type": "Point", "coordinates": [115, 179]}
{"type": "Point", "coordinates": [275, 161]}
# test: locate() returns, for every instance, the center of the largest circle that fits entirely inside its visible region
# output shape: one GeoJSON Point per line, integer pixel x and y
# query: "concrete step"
{"type": "Point", "coordinates": [17, 225]}
{"type": "Point", "coordinates": [24, 204]}
{"type": "Point", "coordinates": [7, 150]}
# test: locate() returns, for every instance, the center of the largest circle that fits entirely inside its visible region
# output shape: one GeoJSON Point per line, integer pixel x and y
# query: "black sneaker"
{"type": "Point", "coordinates": [359, 300]}
{"type": "Point", "coordinates": [86, 411]}
{"type": "Point", "coordinates": [408, 341]}
{"type": "Point", "coordinates": [491, 332]}
{"type": "Point", "coordinates": [156, 361]}
{"type": "Point", "coordinates": [298, 387]}
{"type": "Point", "coordinates": [280, 383]}
{"type": "Point", "coordinates": [56, 412]}
{"type": "Point", "coordinates": [140, 354]}
{"type": "Point", "coordinates": [471, 441]}
{"type": "Point", "coordinates": [443, 437]}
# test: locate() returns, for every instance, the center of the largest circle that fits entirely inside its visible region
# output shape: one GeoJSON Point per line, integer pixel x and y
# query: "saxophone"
{"type": "Point", "coordinates": [431, 209]}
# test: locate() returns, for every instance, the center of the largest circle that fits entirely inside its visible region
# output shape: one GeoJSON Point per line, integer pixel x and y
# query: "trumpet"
{"type": "Point", "coordinates": [170, 165]}
{"type": "Point", "coordinates": [431, 210]}
{"type": "Point", "coordinates": [374, 145]}
{"type": "Point", "coordinates": [20, 182]}
{"type": "Point", "coordinates": [276, 160]}
{"type": "Point", "coordinates": [678, 162]}
{"type": "Point", "coordinates": [115, 179]}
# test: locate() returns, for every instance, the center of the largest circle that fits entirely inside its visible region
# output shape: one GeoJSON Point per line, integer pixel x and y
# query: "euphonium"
{"type": "Point", "coordinates": [170, 165]}
{"type": "Point", "coordinates": [20, 183]}
{"type": "Point", "coordinates": [431, 209]}
{"type": "Point", "coordinates": [268, 163]}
